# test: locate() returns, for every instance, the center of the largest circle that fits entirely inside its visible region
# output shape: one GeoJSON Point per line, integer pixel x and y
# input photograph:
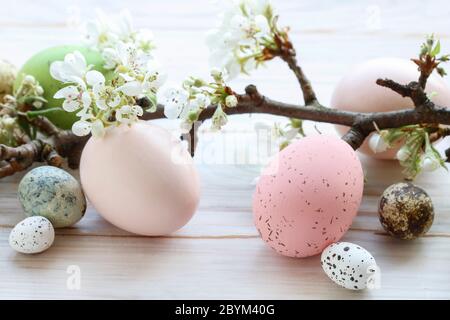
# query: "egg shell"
{"type": "Point", "coordinates": [357, 91]}
{"type": "Point", "coordinates": [349, 265]}
{"type": "Point", "coordinates": [32, 235]}
{"type": "Point", "coordinates": [39, 67]}
{"type": "Point", "coordinates": [140, 179]}
{"type": "Point", "coordinates": [406, 211]}
{"type": "Point", "coordinates": [52, 193]}
{"type": "Point", "coordinates": [308, 195]}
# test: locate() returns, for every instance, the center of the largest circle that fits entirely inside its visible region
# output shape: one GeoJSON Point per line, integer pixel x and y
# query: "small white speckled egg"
{"type": "Point", "coordinates": [32, 235]}
{"type": "Point", "coordinates": [349, 265]}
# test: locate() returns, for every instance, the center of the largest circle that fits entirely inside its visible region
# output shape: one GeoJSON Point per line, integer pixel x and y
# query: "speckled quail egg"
{"type": "Point", "coordinates": [349, 265]}
{"type": "Point", "coordinates": [406, 211]}
{"type": "Point", "coordinates": [32, 235]}
{"type": "Point", "coordinates": [52, 193]}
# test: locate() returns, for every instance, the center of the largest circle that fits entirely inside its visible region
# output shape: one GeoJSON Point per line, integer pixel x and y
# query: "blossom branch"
{"type": "Point", "coordinates": [362, 124]}
{"type": "Point", "coordinates": [287, 54]}
{"type": "Point", "coordinates": [65, 144]}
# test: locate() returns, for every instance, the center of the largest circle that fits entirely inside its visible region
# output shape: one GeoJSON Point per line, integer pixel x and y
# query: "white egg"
{"type": "Point", "coordinates": [350, 266]}
{"type": "Point", "coordinates": [32, 235]}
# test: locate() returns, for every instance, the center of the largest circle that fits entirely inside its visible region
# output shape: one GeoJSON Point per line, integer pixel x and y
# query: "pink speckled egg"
{"type": "Point", "coordinates": [358, 91]}
{"type": "Point", "coordinates": [308, 196]}
{"type": "Point", "coordinates": [140, 179]}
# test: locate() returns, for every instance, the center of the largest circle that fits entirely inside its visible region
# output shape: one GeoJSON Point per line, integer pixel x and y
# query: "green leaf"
{"type": "Point", "coordinates": [445, 58]}
{"type": "Point", "coordinates": [441, 71]}
{"type": "Point", "coordinates": [436, 50]}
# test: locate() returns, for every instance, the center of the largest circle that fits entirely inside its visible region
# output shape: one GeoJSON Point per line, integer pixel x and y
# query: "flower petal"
{"type": "Point", "coordinates": [101, 104]}
{"type": "Point", "coordinates": [71, 105]}
{"type": "Point", "coordinates": [98, 130]}
{"type": "Point", "coordinates": [172, 111]}
{"type": "Point", "coordinates": [137, 110]}
{"type": "Point", "coordinates": [126, 77]}
{"type": "Point", "coordinates": [86, 99]}
{"type": "Point", "coordinates": [81, 128]}
{"type": "Point", "coordinates": [55, 70]}
{"type": "Point", "coordinates": [69, 92]}
{"type": "Point", "coordinates": [94, 77]}
{"type": "Point", "coordinates": [115, 101]}
{"type": "Point", "coordinates": [132, 89]}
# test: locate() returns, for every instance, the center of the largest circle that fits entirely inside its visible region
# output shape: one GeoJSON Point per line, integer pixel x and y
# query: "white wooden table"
{"type": "Point", "coordinates": [219, 253]}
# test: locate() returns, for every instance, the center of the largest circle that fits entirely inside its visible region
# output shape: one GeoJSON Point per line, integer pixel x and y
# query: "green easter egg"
{"type": "Point", "coordinates": [39, 67]}
{"type": "Point", "coordinates": [52, 193]}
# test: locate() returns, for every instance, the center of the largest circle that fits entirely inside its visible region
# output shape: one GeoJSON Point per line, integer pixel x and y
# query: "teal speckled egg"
{"type": "Point", "coordinates": [54, 194]}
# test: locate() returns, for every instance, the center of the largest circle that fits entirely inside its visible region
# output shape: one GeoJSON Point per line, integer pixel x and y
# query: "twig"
{"type": "Point", "coordinates": [412, 90]}
{"type": "Point", "coordinates": [22, 157]}
{"type": "Point", "coordinates": [309, 96]}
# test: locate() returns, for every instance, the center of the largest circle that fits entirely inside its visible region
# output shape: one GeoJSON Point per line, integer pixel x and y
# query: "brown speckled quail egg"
{"type": "Point", "coordinates": [406, 211]}
{"type": "Point", "coordinates": [32, 235]}
{"type": "Point", "coordinates": [349, 265]}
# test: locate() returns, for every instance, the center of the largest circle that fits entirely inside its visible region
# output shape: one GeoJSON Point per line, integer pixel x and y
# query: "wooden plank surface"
{"type": "Point", "coordinates": [219, 254]}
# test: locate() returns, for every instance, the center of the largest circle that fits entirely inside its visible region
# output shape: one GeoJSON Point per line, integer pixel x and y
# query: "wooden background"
{"type": "Point", "coordinates": [219, 254]}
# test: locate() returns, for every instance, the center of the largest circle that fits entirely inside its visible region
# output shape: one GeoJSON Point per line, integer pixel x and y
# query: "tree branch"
{"type": "Point", "coordinates": [412, 90]}
{"type": "Point", "coordinates": [309, 96]}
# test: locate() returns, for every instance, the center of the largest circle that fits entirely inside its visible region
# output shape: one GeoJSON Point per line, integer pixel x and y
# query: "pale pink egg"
{"type": "Point", "coordinates": [308, 196]}
{"type": "Point", "coordinates": [140, 179]}
{"type": "Point", "coordinates": [358, 91]}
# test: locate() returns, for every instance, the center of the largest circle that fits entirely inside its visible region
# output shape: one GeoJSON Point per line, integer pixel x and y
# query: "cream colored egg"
{"type": "Point", "coordinates": [140, 179]}
{"type": "Point", "coordinates": [358, 91]}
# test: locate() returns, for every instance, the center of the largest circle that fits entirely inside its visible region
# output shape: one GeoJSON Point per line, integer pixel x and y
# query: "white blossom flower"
{"type": "Point", "coordinates": [174, 99]}
{"type": "Point", "coordinates": [124, 25]}
{"type": "Point", "coordinates": [152, 81]}
{"type": "Point", "coordinates": [154, 78]}
{"type": "Point", "coordinates": [98, 32]}
{"type": "Point", "coordinates": [241, 36]}
{"type": "Point", "coordinates": [144, 40]}
{"type": "Point", "coordinates": [200, 101]}
{"type": "Point", "coordinates": [71, 70]}
{"type": "Point", "coordinates": [377, 143]}
{"type": "Point", "coordinates": [74, 98]}
{"type": "Point", "coordinates": [105, 96]}
{"type": "Point", "coordinates": [109, 33]}
{"type": "Point", "coordinates": [98, 102]}
{"type": "Point", "coordinates": [128, 114]}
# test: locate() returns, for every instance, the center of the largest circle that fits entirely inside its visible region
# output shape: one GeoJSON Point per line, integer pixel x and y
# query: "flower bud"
{"type": "Point", "coordinates": [430, 163]}
{"type": "Point", "coordinates": [193, 116]}
{"type": "Point", "coordinates": [7, 78]}
{"type": "Point", "coordinates": [39, 90]}
{"type": "Point", "coordinates": [403, 154]}
{"type": "Point", "coordinates": [231, 101]}
{"type": "Point", "coordinates": [377, 143]}
{"type": "Point", "coordinates": [28, 79]}
{"type": "Point", "coordinates": [8, 122]}
{"type": "Point", "coordinates": [37, 104]}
